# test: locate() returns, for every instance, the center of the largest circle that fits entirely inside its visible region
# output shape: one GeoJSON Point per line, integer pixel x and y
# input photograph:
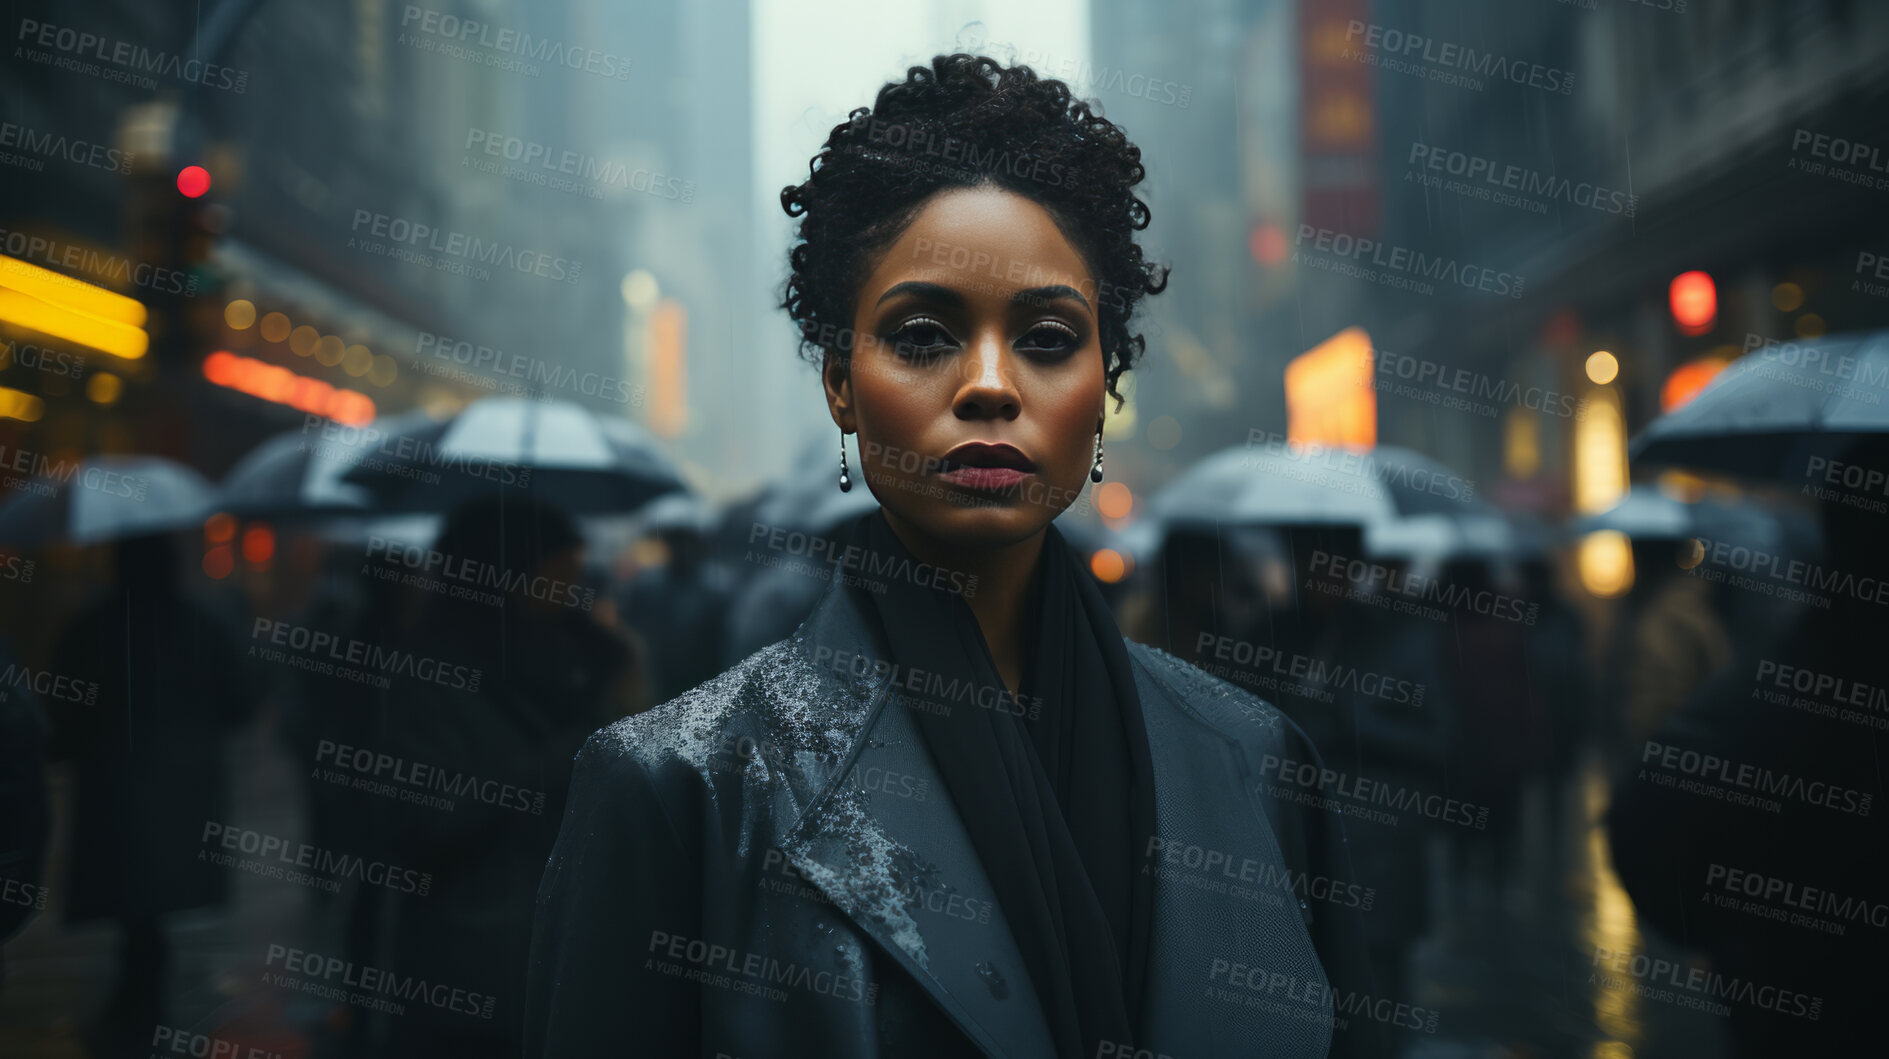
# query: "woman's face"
{"type": "Point", "coordinates": [976, 384]}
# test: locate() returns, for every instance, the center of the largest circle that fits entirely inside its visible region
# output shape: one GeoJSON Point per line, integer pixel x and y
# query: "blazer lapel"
{"type": "Point", "coordinates": [884, 842]}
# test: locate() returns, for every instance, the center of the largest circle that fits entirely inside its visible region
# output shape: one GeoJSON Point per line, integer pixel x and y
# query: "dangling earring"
{"type": "Point", "coordinates": [1095, 472]}
{"type": "Point", "coordinates": [846, 483]}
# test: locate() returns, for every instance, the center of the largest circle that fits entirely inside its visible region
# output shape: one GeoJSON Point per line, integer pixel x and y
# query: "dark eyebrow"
{"type": "Point", "coordinates": [1036, 294]}
{"type": "Point", "coordinates": [922, 290]}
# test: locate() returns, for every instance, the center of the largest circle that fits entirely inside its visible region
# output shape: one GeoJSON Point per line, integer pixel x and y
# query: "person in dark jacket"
{"type": "Point", "coordinates": [527, 673]}
{"type": "Point", "coordinates": [957, 812]}
{"type": "Point", "coordinates": [1749, 825]}
{"type": "Point", "coordinates": [165, 681]}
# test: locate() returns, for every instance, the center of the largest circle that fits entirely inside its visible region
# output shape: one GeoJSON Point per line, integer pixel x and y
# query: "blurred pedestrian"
{"type": "Point", "coordinates": [165, 682]}
{"type": "Point", "coordinates": [534, 674]}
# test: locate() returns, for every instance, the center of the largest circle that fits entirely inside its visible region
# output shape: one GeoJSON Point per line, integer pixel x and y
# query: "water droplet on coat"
{"type": "Point", "coordinates": [998, 987]}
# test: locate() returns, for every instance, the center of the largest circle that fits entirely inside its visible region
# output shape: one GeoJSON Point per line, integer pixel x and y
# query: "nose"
{"type": "Point", "coordinates": [988, 388]}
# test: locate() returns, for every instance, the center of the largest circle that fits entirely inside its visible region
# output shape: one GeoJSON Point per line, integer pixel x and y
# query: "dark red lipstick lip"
{"type": "Point", "coordinates": [987, 454]}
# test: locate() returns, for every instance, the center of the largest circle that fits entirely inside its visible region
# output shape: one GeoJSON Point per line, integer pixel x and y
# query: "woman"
{"type": "Point", "coordinates": [955, 813]}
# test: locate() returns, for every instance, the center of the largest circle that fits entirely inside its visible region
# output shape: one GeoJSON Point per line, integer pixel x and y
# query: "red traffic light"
{"type": "Point", "coordinates": [193, 181]}
{"type": "Point", "coordinates": [1694, 302]}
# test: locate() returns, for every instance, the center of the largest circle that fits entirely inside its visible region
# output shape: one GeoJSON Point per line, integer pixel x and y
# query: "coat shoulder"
{"type": "Point", "coordinates": [1228, 708]}
{"type": "Point", "coordinates": [770, 711]}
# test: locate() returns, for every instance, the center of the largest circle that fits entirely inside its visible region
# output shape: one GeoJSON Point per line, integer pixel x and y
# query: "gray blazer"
{"type": "Point", "coordinates": [770, 865]}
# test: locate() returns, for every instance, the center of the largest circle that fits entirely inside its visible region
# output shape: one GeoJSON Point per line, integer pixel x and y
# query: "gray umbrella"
{"type": "Point", "coordinates": [1779, 407]}
{"type": "Point", "coordinates": [1263, 485]}
{"type": "Point", "coordinates": [1649, 515]}
{"type": "Point", "coordinates": [1485, 534]}
{"type": "Point", "coordinates": [104, 498]}
{"type": "Point", "coordinates": [1272, 486]}
{"type": "Point", "coordinates": [554, 452]}
{"type": "Point", "coordinates": [1644, 512]}
{"type": "Point", "coordinates": [1419, 485]}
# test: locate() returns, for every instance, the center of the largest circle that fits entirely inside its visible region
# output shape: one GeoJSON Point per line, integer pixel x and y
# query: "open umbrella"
{"type": "Point", "coordinates": [298, 474]}
{"type": "Point", "coordinates": [1646, 514]}
{"type": "Point", "coordinates": [554, 452]}
{"type": "Point", "coordinates": [1419, 485]}
{"type": "Point", "coordinates": [104, 498]}
{"type": "Point", "coordinates": [1271, 486]}
{"type": "Point", "coordinates": [1778, 408]}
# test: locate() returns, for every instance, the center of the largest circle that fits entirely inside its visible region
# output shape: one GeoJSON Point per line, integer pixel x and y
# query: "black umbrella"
{"type": "Point", "coordinates": [554, 452]}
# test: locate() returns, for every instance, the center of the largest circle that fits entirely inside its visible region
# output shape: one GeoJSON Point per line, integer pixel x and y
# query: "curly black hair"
{"type": "Point", "coordinates": [966, 121]}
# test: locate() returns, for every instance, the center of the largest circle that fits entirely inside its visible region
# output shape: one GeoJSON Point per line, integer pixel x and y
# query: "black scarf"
{"type": "Point", "coordinates": [1055, 786]}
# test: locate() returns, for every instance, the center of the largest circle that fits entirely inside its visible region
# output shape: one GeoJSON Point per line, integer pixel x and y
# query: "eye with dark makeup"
{"type": "Point", "coordinates": [920, 338]}
{"type": "Point", "coordinates": [923, 339]}
{"type": "Point", "coordinates": [1051, 337]}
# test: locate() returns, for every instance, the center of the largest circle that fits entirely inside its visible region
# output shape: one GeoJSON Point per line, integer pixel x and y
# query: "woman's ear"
{"type": "Point", "coordinates": [836, 377]}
